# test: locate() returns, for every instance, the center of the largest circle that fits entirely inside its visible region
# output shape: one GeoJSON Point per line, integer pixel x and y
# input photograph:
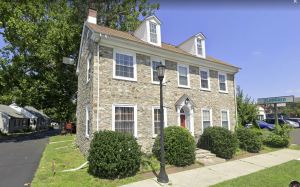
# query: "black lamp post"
{"type": "Point", "coordinates": [162, 177]}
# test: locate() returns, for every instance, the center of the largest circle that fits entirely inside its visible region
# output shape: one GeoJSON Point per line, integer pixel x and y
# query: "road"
{"type": "Point", "coordinates": [20, 157]}
{"type": "Point", "coordinates": [295, 135]}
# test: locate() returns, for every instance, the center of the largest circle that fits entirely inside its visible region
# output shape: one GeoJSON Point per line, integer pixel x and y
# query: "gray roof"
{"type": "Point", "coordinates": [36, 112]}
{"type": "Point", "coordinates": [10, 112]}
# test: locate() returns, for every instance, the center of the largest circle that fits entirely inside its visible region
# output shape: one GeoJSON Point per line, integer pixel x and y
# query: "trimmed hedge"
{"type": "Point", "coordinates": [249, 140]}
{"type": "Point", "coordinates": [179, 146]}
{"type": "Point", "coordinates": [275, 140]}
{"type": "Point", "coordinates": [219, 141]}
{"type": "Point", "coordinates": [114, 155]}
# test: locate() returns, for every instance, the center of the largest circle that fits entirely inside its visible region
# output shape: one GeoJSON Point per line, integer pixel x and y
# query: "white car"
{"type": "Point", "coordinates": [292, 124]}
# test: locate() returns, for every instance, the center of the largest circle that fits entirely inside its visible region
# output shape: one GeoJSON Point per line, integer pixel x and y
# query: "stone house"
{"type": "Point", "coordinates": [118, 88]}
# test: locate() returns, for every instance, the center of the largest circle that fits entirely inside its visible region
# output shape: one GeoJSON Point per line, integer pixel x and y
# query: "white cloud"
{"type": "Point", "coordinates": [293, 91]}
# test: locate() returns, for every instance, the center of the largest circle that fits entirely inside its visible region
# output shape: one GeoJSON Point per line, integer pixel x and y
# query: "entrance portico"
{"type": "Point", "coordinates": [185, 113]}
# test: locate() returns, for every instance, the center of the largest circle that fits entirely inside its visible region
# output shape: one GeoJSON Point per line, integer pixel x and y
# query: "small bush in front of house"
{"type": "Point", "coordinates": [179, 146]}
{"type": "Point", "coordinates": [275, 140]}
{"type": "Point", "coordinates": [249, 140]}
{"type": "Point", "coordinates": [219, 141]}
{"type": "Point", "coordinates": [114, 155]}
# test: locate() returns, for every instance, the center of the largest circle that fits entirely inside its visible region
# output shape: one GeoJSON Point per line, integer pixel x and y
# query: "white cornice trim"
{"type": "Point", "coordinates": [110, 41]}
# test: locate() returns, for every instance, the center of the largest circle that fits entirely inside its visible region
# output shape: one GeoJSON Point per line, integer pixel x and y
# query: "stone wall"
{"type": "Point", "coordinates": [145, 94]}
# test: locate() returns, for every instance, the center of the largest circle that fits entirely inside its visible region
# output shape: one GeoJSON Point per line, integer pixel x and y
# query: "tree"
{"type": "Point", "coordinates": [38, 34]}
{"type": "Point", "coordinates": [246, 108]}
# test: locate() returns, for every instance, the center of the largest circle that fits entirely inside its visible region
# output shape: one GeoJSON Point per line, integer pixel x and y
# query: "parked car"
{"type": "Point", "coordinates": [282, 122]}
{"type": "Point", "coordinates": [297, 120]}
{"type": "Point", "coordinates": [265, 125]}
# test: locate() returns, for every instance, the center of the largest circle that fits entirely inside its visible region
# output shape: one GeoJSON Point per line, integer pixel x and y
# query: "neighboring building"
{"type": "Point", "coordinates": [261, 113]}
{"type": "Point", "coordinates": [42, 121]}
{"type": "Point", "coordinates": [21, 110]}
{"type": "Point", "coordinates": [11, 120]}
{"type": "Point", "coordinates": [118, 87]}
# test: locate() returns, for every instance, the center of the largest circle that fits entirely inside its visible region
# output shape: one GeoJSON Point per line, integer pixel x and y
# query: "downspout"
{"type": "Point", "coordinates": [98, 82]}
{"type": "Point", "coordinates": [235, 102]}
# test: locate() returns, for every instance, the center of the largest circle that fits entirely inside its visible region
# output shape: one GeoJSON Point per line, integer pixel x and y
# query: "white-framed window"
{"type": "Point", "coordinates": [153, 32]}
{"type": "Point", "coordinates": [183, 75]}
{"type": "Point", "coordinates": [87, 122]}
{"type": "Point", "coordinates": [199, 46]}
{"type": "Point", "coordinates": [154, 63]}
{"type": "Point", "coordinates": [225, 119]}
{"type": "Point", "coordinates": [124, 65]}
{"type": "Point", "coordinates": [204, 79]}
{"type": "Point", "coordinates": [206, 118]}
{"type": "Point", "coordinates": [156, 120]}
{"type": "Point", "coordinates": [88, 68]}
{"type": "Point", "coordinates": [124, 118]}
{"type": "Point", "coordinates": [222, 82]}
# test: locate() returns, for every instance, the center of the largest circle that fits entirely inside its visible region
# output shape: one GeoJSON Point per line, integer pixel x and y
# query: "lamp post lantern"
{"type": "Point", "coordinates": [162, 177]}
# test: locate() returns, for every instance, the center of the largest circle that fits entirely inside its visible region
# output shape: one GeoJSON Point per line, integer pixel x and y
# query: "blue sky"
{"type": "Point", "coordinates": [263, 40]}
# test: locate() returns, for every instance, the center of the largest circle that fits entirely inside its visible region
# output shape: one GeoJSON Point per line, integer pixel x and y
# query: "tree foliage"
{"type": "Point", "coordinates": [246, 108]}
{"type": "Point", "coordinates": [38, 34]}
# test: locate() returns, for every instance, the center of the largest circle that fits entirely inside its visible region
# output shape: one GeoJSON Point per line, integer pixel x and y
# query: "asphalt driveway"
{"type": "Point", "coordinates": [20, 157]}
{"type": "Point", "coordinates": [295, 135]}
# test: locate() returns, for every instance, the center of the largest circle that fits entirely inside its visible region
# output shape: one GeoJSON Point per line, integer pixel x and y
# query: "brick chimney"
{"type": "Point", "coordinates": [92, 16]}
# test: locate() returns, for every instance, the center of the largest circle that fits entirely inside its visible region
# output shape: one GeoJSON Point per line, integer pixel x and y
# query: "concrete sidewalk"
{"type": "Point", "coordinates": [214, 174]}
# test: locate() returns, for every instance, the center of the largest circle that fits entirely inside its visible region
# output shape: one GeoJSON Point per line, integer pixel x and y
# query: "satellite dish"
{"type": "Point", "coordinates": [68, 61]}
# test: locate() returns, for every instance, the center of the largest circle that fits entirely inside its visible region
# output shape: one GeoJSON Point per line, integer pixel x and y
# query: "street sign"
{"type": "Point", "coordinates": [273, 100]}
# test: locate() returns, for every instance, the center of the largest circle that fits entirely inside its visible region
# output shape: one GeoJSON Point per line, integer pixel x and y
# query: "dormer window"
{"type": "Point", "coordinates": [199, 47]}
{"type": "Point", "coordinates": [153, 33]}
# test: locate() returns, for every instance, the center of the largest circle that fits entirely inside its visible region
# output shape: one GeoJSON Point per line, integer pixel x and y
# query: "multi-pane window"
{"type": "Point", "coordinates": [156, 120]}
{"type": "Point", "coordinates": [153, 33]}
{"type": "Point", "coordinates": [206, 118]}
{"type": "Point", "coordinates": [199, 47]}
{"type": "Point", "coordinates": [204, 78]}
{"type": "Point", "coordinates": [222, 82]}
{"type": "Point", "coordinates": [88, 68]}
{"type": "Point", "coordinates": [87, 122]}
{"type": "Point", "coordinates": [183, 75]}
{"type": "Point", "coordinates": [225, 119]}
{"type": "Point", "coordinates": [154, 71]}
{"type": "Point", "coordinates": [124, 119]}
{"type": "Point", "coordinates": [124, 66]}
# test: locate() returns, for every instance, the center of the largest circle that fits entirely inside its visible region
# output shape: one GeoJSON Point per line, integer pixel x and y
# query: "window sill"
{"type": "Point", "coordinates": [186, 87]}
{"type": "Point", "coordinates": [224, 92]}
{"type": "Point", "coordinates": [157, 83]}
{"type": "Point", "coordinates": [206, 90]}
{"type": "Point", "coordinates": [125, 79]}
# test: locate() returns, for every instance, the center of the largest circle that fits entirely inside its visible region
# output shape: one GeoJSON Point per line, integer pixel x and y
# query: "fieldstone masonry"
{"type": "Point", "coordinates": [144, 94]}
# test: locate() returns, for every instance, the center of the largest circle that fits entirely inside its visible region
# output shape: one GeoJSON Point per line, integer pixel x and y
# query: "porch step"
{"type": "Point", "coordinates": [207, 158]}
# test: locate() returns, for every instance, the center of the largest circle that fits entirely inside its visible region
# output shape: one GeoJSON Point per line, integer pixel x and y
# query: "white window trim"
{"type": "Point", "coordinates": [135, 116]}
{"type": "Point", "coordinates": [155, 33]}
{"type": "Point", "coordinates": [88, 66]}
{"type": "Point", "coordinates": [129, 53]}
{"type": "Point", "coordinates": [208, 79]}
{"type": "Point", "coordinates": [87, 118]}
{"type": "Point", "coordinates": [203, 47]}
{"type": "Point", "coordinates": [223, 110]}
{"type": "Point", "coordinates": [222, 91]}
{"type": "Point", "coordinates": [188, 76]}
{"type": "Point", "coordinates": [156, 59]}
{"type": "Point", "coordinates": [165, 119]}
{"type": "Point", "coordinates": [210, 116]}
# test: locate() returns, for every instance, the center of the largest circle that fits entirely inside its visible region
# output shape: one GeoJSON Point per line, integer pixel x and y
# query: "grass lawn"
{"type": "Point", "coordinates": [280, 175]}
{"type": "Point", "coordinates": [67, 156]}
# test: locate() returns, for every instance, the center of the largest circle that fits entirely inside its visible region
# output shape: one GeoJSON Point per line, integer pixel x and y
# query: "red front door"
{"type": "Point", "coordinates": [182, 120]}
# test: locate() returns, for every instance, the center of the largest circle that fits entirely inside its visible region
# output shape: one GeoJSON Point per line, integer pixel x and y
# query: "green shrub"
{"type": "Point", "coordinates": [114, 155]}
{"type": "Point", "coordinates": [179, 146]}
{"type": "Point", "coordinates": [283, 131]}
{"type": "Point", "coordinates": [275, 140]}
{"type": "Point", "coordinates": [219, 141]}
{"type": "Point", "coordinates": [249, 140]}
